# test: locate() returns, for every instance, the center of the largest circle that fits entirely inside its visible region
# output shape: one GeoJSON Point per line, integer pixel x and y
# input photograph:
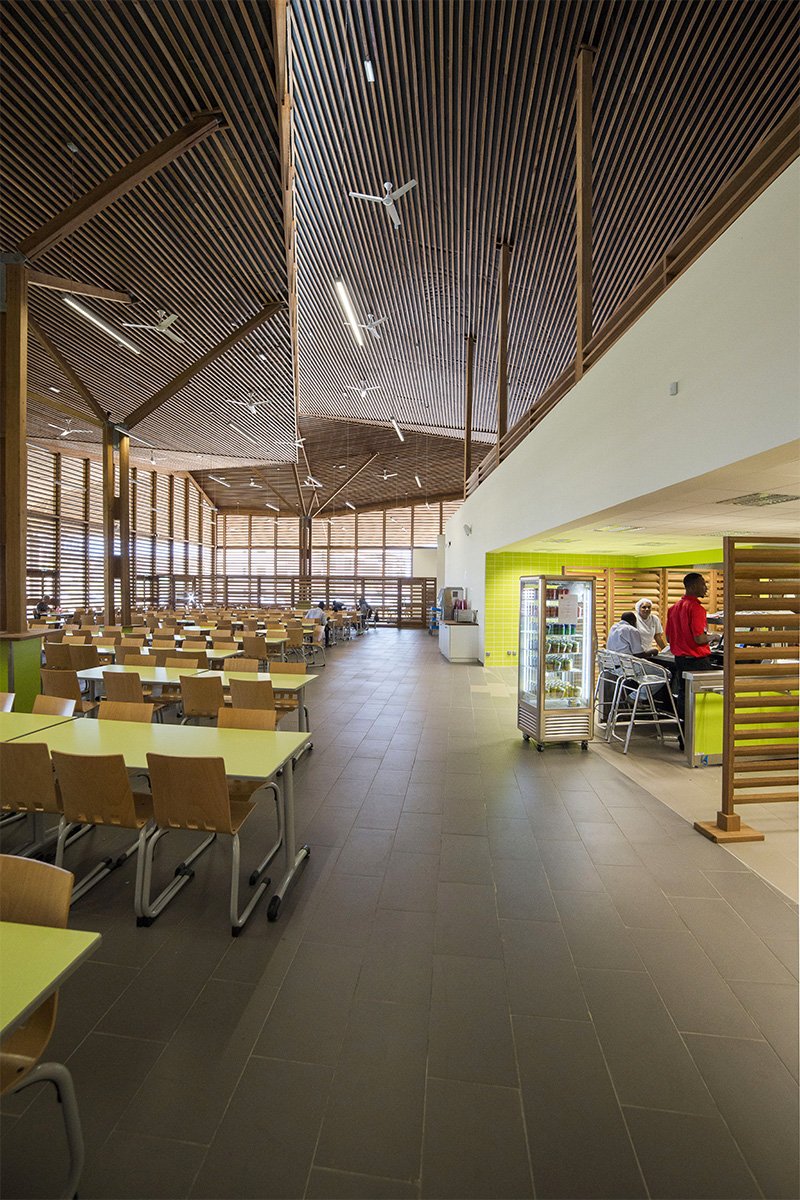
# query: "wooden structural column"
{"type": "Point", "coordinates": [761, 697]}
{"type": "Point", "coordinates": [468, 411]}
{"type": "Point", "coordinates": [502, 348]}
{"type": "Point", "coordinates": [13, 431]}
{"type": "Point", "coordinates": [108, 526]}
{"type": "Point", "coordinates": [584, 205]}
{"type": "Point", "coordinates": [125, 528]}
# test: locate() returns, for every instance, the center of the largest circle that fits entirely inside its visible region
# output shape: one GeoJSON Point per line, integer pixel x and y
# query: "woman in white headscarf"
{"type": "Point", "coordinates": [650, 628]}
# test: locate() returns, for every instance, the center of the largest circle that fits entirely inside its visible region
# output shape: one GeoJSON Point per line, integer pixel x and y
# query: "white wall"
{"type": "Point", "coordinates": [726, 331]}
{"type": "Point", "coordinates": [423, 563]}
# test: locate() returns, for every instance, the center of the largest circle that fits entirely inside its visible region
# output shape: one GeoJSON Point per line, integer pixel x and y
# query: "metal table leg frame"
{"type": "Point", "coordinates": [59, 1076]}
{"type": "Point", "coordinates": [262, 866]}
{"type": "Point", "coordinates": [293, 858]}
{"type": "Point", "coordinates": [148, 909]}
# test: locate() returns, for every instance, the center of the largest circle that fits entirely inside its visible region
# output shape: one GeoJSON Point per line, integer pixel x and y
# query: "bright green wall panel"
{"type": "Point", "coordinates": [20, 667]}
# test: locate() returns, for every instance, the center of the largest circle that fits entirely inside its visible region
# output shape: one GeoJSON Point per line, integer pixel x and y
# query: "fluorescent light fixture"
{"type": "Point", "coordinates": [397, 429]}
{"type": "Point", "coordinates": [274, 507]}
{"type": "Point", "coordinates": [368, 71]}
{"type": "Point", "coordinates": [255, 485]}
{"type": "Point", "coordinates": [56, 390]}
{"type": "Point", "coordinates": [242, 433]}
{"type": "Point", "coordinates": [100, 323]}
{"type": "Point", "coordinates": [618, 528]}
{"type": "Point", "coordinates": [262, 357]}
{"type": "Point", "coordinates": [121, 429]}
{"type": "Point", "coordinates": [403, 529]}
{"type": "Point", "coordinates": [316, 482]}
{"type": "Point", "coordinates": [349, 505]}
{"type": "Point", "coordinates": [419, 485]}
{"type": "Point", "coordinates": [343, 297]}
{"type": "Point", "coordinates": [217, 479]}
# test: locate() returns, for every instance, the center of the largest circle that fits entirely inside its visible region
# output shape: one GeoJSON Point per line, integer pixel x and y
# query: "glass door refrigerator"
{"type": "Point", "coordinates": [556, 660]}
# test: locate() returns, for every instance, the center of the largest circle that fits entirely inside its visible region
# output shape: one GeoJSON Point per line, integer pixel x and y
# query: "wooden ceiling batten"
{"type": "Point", "coordinates": [67, 371]}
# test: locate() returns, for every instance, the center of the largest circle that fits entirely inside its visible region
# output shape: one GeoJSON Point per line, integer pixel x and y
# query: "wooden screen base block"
{"type": "Point", "coordinates": [744, 833]}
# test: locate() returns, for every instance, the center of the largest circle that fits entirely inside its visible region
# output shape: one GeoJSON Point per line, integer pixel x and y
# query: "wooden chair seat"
{"type": "Point", "coordinates": [65, 685]}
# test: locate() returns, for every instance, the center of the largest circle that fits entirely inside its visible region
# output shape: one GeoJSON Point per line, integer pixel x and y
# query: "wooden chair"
{"type": "Point", "coordinates": [195, 644]}
{"type": "Point", "coordinates": [252, 693]}
{"type": "Point", "coordinates": [317, 645]}
{"type": "Point", "coordinates": [57, 656]}
{"type": "Point", "coordinates": [7, 701]}
{"type": "Point", "coordinates": [202, 696]}
{"type": "Point", "coordinates": [35, 893]}
{"type": "Point", "coordinates": [83, 658]}
{"type": "Point", "coordinates": [254, 647]}
{"type": "Point", "coordinates": [53, 706]}
{"type": "Point", "coordinates": [96, 790]}
{"type": "Point", "coordinates": [29, 789]}
{"type": "Point", "coordinates": [193, 659]}
{"type": "Point", "coordinates": [250, 665]}
{"type": "Point", "coordinates": [54, 635]}
{"type": "Point", "coordinates": [115, 710]}
{"type": "Point", "coordinates": [65, 685]}
{"type": "Point", "coordinates": [286, 702]}
{"type": "Point", "coordinates": [125, 687]}
{"type": "Point", "coordinates": [129, 644]}
{"type": "Point", "coordinates": [140, 631]}
{"type": "Point", "coordinates": [247, 718]}
{"type": "Point", "coordinates": [192, 794]}
{"type": "Point", "coordinates": [294, 645]}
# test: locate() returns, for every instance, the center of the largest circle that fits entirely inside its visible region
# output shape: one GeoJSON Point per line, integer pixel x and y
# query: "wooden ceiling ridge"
{"type": "Point", "coordinates": [66, 370]}
{"type": "Point", "coordinates": [257, 471]}
{"type": "Point", "coordinates": [58, 283]}
{"type": "Point", "coordinates": [347, 481]}
{"type": "Point", "coordinates": [94, 201]}
{"type": "Point", "coordinates": [183, 377]}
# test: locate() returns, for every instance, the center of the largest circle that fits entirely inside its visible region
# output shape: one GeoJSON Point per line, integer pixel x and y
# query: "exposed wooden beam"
{"type": "Point", "coordinates": [66, 409]}
{"type": "Point", "coordinates": [299, 489]}
{"type": "Point", "coordinates": [242, 511]}
{"type": "Point", "coordinates": [274, 490]}
{"type": "Point", "coordinates": [583, 148]}
{"type": "Point", "coordinates": [186, 376]}
{"type": "Point", "coordinates": [108, 525]}
{"type": "Point", "coordinates": [468, 410]}
{"type": "Point", "coordinates": [125, 529]}
{"type": "Point", "coordinates": [66, 370]}
{"type": "Point", "coordinates": [88, 206]}
{"type": "Point", "coordinates": [59, 284]}
{"type": "Point", "coordinates": [502, 347]}
{"type": "Point", "coordinates": [14, 454]}
{"type": "Point", "coordinates": [347, 481]}
{"type": "Point", "coordinates": [280, 41]}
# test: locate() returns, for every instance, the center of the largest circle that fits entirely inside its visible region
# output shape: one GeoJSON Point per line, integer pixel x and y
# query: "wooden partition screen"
{"type": "Point", "coordinates": [762, 630]}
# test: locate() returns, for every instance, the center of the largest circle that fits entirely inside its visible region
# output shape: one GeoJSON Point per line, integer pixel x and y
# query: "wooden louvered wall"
{"type": "Point", "coordinates": [762, 628]}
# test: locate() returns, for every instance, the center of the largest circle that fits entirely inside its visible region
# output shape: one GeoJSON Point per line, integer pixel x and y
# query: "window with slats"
{"type": "Point", "coordinates": [369, 529]}
{"type": "Point", "coordinates": [178, 507]}
{"type": "Point", "coordinates": [343, 530]}
{"type": "Point", "coordinates": [426, 525]}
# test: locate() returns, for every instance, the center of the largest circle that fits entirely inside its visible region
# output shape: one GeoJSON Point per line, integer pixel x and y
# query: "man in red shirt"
{"type": "Point", "coordinates": [687, 634]}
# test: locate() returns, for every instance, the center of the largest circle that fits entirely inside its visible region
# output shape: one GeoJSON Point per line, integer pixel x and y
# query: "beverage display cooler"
{"type": "Point", "coordinates": [556, 660]}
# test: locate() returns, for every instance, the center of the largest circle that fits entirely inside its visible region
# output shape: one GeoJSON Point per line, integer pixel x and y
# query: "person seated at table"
{"type": "Point", "coordinates": [43, 607]}
{"type": "Point", "coordinates": [364, 609]}
{"type": "Point", "coordinates": [650, 628]}
{"type": "Point", "coordinates": [623, 636]}
{"type": "Point", "coordinates": [337, 606]}
{"type": "Point", "coordinates": [317, 614]}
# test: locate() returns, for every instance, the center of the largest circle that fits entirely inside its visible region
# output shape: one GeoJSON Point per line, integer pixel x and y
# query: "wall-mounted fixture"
{"type": "Point", "coordinates": [467, 530]}
{"type": "Point", "coordinates": [673, 389]}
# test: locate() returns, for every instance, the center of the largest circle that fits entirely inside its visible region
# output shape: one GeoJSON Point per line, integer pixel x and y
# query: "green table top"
{"type": "Point", "coordinates": [147, 674]}
{"type": "Point", "coordinates": [16, 725]}
{"type": "Point", "coordinates": [286, 683]}
{"type": "Point", "coordinates": [34, 961]}
{"type": "Point", "coordinates": [247, 753]}
{"type": "Point", "coordinates": [271, 639]}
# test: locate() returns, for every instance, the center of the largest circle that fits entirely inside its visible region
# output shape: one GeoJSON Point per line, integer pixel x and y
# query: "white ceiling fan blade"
{"type": "Point", "coordinates": [167, 321]}
{"type": "Point", "coordinates": [405, 188]}
{"type": "Point", "coordinates": [175, 337]}
{"type": "Point", "coordinates": [395, 215]}
{"type": "Point", "coordinates": [364, 196]}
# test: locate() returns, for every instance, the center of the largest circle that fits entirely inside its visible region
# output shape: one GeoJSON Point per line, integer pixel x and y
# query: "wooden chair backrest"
{"type": "Point", "coordinates": [295, 635]}
{"type": "Point", "coordinates": [246, 718]}
{"type": "Point", "coordinates": [53, 636]}
{"type": "Point", "coordinates": [95, 788]}
{"type": "Point", "coordinates": [53, 706]}
{"type": "Point", "coordinates": [190, 793]}
{"type": "Point", "coordinates": [116, 710]}
{"type": "Point", "coordinates": [57, 656]}
{"type": "Point", "coordinates": [160, 656]}
{"type": "Point", "coordinates": [28, 781]}
{"type": "Point", "coordinates": [80, 638]}
{"type": "Point", "coordinates": [7, 701]}
{"type": "Point", "coordinates": [140, 631]}
{"type": "Point", "coordinates": [129, 643]}
{"type": "Point", "coordinates": [252, 693]}
{"type": "Point", "coordinates": [162, 644]}
{"type": "Point", "coordinates": [194, 658]}
{"type": "Point", "coordinates": [202, 695]}
{"type": "Point", "coordinates": [254, 647]}
{"type": "Point", "coordinates": [83, 658]}
{"type": "Point", "coordinates": [241, 664]}
{"type": "Point", "coordinates": [61, 683]}
{"type": "Point", "coordinates": [135, 660]}
{"type": "Point", "coordinates": [123, 686]}
{"type": "Point", "coordinates": [194, 644]}
{"type": "Point", "coordinates": [287, 668]}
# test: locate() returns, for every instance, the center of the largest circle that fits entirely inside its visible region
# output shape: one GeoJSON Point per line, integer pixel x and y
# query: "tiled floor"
{"type": "Point", "coordinates": [502, 974]}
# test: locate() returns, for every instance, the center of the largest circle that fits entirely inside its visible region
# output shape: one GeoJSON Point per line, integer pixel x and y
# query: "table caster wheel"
{"type": "Point", "coordinates": [584, 745]}
{"type": "Point", "coordinates": [540, 747]}
{"type": "Point", "coordinates": [273, 908]}
{"type": "Point", "coordinates": [235, 931]}
{"type": "Point", "coordinates": [526, 737]}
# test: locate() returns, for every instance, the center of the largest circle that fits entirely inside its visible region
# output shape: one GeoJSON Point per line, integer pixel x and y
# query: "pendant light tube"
{"type": "Point", "coordinates": [97, 320]}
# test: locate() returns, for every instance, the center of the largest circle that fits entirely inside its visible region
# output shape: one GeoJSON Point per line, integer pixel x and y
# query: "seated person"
{"type": "Point", "coordinates": [337, 606]}
{"type": "Point", "coordinates": [317, 613]}
{"type": "Point", "coordinates": [43, 607]}
{"type": "Point", "coordinates": [623, 637]}
{"type": "Point", "coordinates": [650, 628]}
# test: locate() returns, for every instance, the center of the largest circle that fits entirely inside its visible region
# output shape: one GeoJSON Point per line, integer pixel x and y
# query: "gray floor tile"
{"type": "Point", "coordinates": [773, 1007]}
{"type": "Point", "coordinates": [419, 833]}
{"type": "Point", "coordinates": [758, 1099]}
{"type": "Point", "coordinates": [308, 1020]}
{"type": "Point", "coordinates": [542, 981]}
{"type": "Point", "coordinates": [607, 844]}
{"type": "Point", "coordinates": [595, 932]}
{"type": "Point", "coordinates": [522, 890]}
{"type": "Point", "coordinates": [339, 1185]}
{"type": "Point", "coordinates": [551, 822]}
{"type": "Point", "coordinates": [566, 1087]}
{"type": "Point", "coordinates": [344, 914]}
{"type": "Point", "coordinates": [142, 1168]}
{"type": "Point", "coordinates": [265, 1150]}
{"type": "Point", "coordinates": [689, 1158]}
{"type": "Point", "coordinates": [373, 1121]}
{"type": "Point", "coordinates": [785, 949]}
{"type": "Point", "coordinates": [639, 901]}
{"type": "Point", "coordinates": [470, 1026]}
{"type": "Point", "coordinates": [366, 852]}
{"type": "Point", "coordinates": [697, 997]}
{"type": "Point", "coordinates": [511, 837]}
{"type": "Point", "coordinates": [411, 882]}
{"type": "Point", "coordinates": [729, 942]}
{"type": "Point", "coordinates": [465, 817]}
{"type": "Point", "coordinates": [648, 1061]}
{"type": "Point", "coordinates": [379, 811]}
{"type": "Point", "coordinates": [474, 1145]}
{"type": "Point", "coordinates": [569, 867]}
{"type": "Point", "coordinates": [585, 806]}
{"type": "Point", "coordinates": [638, 825]}
{"type": "Point", "coordinates": [466, 921]}
{"type": "Point", "coordinates": [396, 970]}
{"type": "Point", "coordinates": [674, 875]}
{"type": "Point", "coordinates": [329, 827]}
{"type": "Point", "coordinates": [424, 798]}
{"type": "Point", "coordinates": [767, 913]}
{"type": "Point", "coordinates": [465, 859]}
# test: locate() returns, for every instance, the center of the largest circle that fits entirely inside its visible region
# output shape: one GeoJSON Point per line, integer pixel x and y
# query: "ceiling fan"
{"type": "Point", "coordinates": [372, 325]}
{"type": "Point", "coordinates": [251, 404]}
{"type": "Point", "coordinates": [375, 387]}
{"type": "Point", "coordinates": [388, 201]}
{"type": "Point", "coordinates": [311, 482]}
{"type": "Point", "coordinates": [66, 429]}
{"type": "Point", "coordinates": [253, 483]}
{"type": "Point", "coordinates": [163, 325]}
{"type": "Point", "coordinates": [387, 475]}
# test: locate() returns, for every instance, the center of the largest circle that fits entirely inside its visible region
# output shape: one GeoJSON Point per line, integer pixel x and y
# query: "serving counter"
{"type": "Point", "coordinates": [458, 641]}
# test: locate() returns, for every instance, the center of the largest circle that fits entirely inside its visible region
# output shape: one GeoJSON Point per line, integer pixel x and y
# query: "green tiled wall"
{"type": "Point", "coordinates": [503, 573]}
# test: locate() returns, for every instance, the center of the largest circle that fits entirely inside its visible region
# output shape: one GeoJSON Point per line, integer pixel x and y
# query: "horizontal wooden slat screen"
{"type": "Point", "coordinates": [761, 688]}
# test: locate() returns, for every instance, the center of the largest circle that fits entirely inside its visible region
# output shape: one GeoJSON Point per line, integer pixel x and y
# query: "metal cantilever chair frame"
{"type": "Point", "coordinates": [640, 679]}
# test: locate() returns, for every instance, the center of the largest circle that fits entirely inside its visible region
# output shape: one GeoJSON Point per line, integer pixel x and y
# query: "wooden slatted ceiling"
{"type": "Point", "coordinates": [475, 100]}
